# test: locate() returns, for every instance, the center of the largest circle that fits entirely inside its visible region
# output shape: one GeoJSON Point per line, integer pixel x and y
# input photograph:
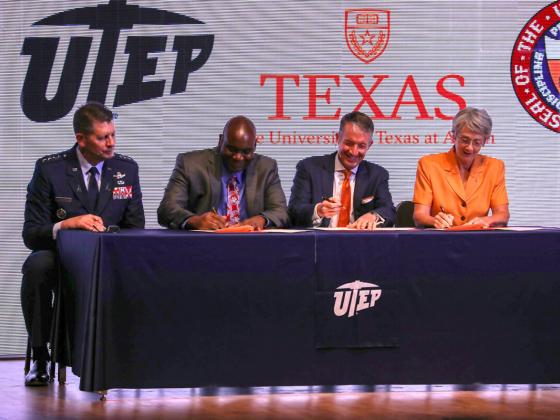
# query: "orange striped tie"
{"type": "Point", "coordinates": [345, 201]}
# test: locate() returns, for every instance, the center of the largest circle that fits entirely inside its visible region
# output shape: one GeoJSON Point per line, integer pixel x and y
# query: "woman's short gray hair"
{"type": "Point", "coordinates": [474, 119]}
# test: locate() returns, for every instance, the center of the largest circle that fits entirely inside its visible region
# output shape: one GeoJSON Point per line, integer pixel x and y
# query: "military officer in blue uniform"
{"type": "Point", "coordinates": [88, 187]}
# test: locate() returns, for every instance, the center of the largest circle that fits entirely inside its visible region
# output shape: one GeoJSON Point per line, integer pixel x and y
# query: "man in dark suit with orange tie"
{"type": "Point", "coordinates": [342, 189]}
{"type": "Point", "coordinates": [88, 187]}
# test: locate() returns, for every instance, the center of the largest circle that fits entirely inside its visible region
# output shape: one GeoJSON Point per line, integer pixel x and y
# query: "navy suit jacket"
{"type": "Point", "coordinates": [57, 192]}
{"type": "Point", "coordinates": [314, 180]}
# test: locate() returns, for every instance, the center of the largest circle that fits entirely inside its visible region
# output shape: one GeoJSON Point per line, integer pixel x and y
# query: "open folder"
{"type": "Point", "coordinates": [236, 229]}
{"type": "Point", "coordinates": [476, 226]}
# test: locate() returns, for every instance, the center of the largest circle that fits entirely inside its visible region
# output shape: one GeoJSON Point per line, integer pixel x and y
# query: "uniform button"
{"type": "Point", "coordinates": [462, 217]}
{"type": "Point", "coordinates": [464, 204]}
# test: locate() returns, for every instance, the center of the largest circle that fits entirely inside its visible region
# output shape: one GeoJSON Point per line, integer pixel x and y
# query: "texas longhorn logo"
{"type": "Point", "coordinates": [110, 18]}
{"type": "Point", "coordinates": [367, 32]}
{"type": "Point", "coordinates": [353, 297]}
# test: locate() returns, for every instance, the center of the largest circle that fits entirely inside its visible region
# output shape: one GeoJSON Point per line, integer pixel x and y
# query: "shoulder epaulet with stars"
{"type": "Point", "coordinates": [123, 157]}
{"type": "Point", "coordinates": [54, 157]}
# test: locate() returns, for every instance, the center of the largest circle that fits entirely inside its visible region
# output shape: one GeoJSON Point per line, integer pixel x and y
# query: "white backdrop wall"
{"type": "Point", "coordinates": [465, 46]}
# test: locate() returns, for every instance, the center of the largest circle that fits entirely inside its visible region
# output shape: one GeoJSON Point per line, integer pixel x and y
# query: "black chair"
{"type": "Point", "coordinates": [405, 210]}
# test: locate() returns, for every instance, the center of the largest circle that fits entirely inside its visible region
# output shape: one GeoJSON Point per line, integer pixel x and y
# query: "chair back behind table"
{"type": "Point", "coordinates": [405, 210]}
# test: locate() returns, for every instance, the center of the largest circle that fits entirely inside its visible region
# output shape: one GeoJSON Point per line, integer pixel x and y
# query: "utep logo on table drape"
{"type": "Point", "coordinates": [110, 18]}
{"type": "Point", "coordinates": [367, 32]}
{"type": "Point", "coordinates": [353, 297]}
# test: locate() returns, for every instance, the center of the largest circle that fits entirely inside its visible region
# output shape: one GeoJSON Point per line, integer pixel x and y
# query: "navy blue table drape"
{"type": "Point", "coordinates": [158, 308]}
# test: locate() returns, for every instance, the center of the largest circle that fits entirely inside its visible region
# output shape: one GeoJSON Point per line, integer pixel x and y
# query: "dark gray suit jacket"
{"type": "Point", "coordinates": [314, 180]}
{"type": "Point", "coordinates": [195, 188]}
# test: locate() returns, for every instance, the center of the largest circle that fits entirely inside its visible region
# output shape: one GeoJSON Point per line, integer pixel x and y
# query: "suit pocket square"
{"type": "Point", "coordinates": [367, 200]}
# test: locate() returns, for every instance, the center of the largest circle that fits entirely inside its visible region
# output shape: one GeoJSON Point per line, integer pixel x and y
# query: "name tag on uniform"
{"type": "Point", "coordinates": [122, 193]}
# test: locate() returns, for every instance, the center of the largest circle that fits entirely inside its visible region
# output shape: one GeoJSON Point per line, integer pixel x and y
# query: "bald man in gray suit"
{"type": "Point", "coordinates": [197, 195]}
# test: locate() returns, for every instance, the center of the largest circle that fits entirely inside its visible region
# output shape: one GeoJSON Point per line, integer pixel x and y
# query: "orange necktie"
{"type": "Point", "coordinates": [345, 201]}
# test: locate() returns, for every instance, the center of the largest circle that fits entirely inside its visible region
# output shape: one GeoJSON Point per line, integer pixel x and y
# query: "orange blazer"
{"type": "Point", "coordinates": [439, 185]}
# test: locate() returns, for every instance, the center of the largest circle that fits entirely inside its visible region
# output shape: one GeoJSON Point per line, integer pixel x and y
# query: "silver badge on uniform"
{"type": "Point", "coordinates": [61, 213]}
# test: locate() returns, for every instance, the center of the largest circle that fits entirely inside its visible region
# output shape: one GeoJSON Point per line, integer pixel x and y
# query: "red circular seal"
{"type": "Point", "coordinates": [535, 67]}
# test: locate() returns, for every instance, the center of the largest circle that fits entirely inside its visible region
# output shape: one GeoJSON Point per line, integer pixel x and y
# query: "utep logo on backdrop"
{"type": "Point", "coordinates": [111, 18]}
{"type": "Point", "coordinates": [353, 297]}
{"type": "Point", "coordinates": [367, 32]}
{"type": "Point", "coordinates": [535, 67]}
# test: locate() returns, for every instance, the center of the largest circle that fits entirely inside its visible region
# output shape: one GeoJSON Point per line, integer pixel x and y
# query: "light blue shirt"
{"type": "Point", "coordinates": [86, 166]}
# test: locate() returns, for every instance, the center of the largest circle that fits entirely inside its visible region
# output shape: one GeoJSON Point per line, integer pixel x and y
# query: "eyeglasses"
{"type": "Point", "coordinates": [465, 141]}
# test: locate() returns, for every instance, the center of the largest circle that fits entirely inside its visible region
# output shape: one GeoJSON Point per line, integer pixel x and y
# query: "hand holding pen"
{"type": "Point", "coordinates": [329, 207]}
{"type": "Point", "coordinates": [443, 220]}
{"type": "Point", "coordinates": [210, 220]}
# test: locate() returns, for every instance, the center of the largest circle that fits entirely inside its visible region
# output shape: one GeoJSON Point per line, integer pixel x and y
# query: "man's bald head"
{"type": "Point", "coordinates": [239, 126]}
{"type": "Point", "coordinates": [237, 143]}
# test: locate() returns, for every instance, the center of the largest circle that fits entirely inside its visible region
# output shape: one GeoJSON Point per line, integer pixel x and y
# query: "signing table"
{"type": "Point", "coordinates": [159, 308]}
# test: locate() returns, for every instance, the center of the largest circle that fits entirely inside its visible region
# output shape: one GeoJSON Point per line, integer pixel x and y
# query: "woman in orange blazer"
{"type": "Point", "coordinates": [462, 186]}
